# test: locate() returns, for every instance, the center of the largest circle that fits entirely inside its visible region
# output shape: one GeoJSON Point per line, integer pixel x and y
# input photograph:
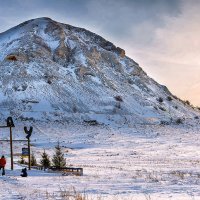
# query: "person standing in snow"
{"type": "Point", "coordinates": [24, 172]}
{"type": "Point", "coordinates": [2, 164]}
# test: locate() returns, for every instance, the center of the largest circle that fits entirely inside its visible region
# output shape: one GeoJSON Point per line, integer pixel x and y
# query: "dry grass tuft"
{"type": "Point", "coordinates": [70, 194]}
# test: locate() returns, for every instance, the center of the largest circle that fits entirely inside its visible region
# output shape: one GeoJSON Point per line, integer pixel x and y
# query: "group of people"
{"type": "Point", "coordinates": [3, 164]}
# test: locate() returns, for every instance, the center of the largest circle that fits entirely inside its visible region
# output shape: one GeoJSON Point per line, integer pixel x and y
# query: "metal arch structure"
{"type": "Point", "coordinates": [29, 132]}
{"type": "Point", "coordinates": [10, 125]}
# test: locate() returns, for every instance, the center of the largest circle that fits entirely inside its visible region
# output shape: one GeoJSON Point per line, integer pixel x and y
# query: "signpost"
{"type": "Point", "coordinates": [25, 151]}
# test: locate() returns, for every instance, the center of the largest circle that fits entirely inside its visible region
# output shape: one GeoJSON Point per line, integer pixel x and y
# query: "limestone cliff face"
{"type": "Point", "coordinates": [54, 71]}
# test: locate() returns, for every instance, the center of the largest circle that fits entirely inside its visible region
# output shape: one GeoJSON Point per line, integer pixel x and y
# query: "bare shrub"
{"type": "Point", "coordinates": [169, 98]}
{"type": "Point", "coordinates": [147, 197]}
{"type": "Point", "coordinates": [118, 98]}
{"type": "Point", "coordinates": [187, 102]}
{"type": "Point", "coordinates": [161, 108]}
{"type": "Point", "coordinates": [160, 99]}
{"type": "Point", "coordinates": [162, 122]}
{"type": "Point", "coordinates": [179, 121]}
{"type": "Point", "coordinates": [178, 174]}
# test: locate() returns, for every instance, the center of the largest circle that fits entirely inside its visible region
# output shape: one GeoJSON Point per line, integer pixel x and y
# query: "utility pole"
{"type": "Point", "coordinates": [11, 148]}
{"type": "Point", "coordinates": [11, 124]}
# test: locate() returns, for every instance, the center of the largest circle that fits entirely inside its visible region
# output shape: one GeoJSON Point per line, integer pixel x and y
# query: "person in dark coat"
{"type": "Point", "coordinates": [24, 172]}
{"type": "Point", "coordinates": [2, 164]}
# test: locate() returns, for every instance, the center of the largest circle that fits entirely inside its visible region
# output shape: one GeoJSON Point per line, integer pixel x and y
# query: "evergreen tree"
{"type": "Point", "coordinates": [33, 160]}
{"type": "Point", "coordinates": [58, 158]}
{"type": "Point", "coordinates": [22, 161]}
{"type": "Point", "coordinates": [45, 161]}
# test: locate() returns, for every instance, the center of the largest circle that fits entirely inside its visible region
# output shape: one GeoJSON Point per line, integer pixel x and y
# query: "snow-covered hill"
{"type": "Point", "coordinates": [54, 71]}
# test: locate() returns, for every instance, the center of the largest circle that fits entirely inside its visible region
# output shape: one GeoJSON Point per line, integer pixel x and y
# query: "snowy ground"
{"type": "Point", "coordinates": [144, 162]}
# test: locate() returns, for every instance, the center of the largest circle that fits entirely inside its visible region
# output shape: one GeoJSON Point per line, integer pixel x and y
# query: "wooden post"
{"type": "Point", "coordinates": [29, 155]}
{"type": "Point", "coordinates": [11, 148]}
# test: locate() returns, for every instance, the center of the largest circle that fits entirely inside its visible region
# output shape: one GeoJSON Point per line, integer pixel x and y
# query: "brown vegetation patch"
{"type": "Point", "coordinates": [11, 58]}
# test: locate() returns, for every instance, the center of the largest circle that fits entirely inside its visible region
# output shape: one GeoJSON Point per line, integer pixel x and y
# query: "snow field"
{"type": "Point", "coordinates": [143, 162]}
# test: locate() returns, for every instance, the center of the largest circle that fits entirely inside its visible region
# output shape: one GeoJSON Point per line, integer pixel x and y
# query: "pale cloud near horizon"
{"type": "Point", "coordinates": [173, 58]}
{"type": "Point", "coordinates": [161, 35]}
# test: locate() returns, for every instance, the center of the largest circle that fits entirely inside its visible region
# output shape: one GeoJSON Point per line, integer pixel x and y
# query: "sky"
{"type": "Point", "coordinates": [163, 36]}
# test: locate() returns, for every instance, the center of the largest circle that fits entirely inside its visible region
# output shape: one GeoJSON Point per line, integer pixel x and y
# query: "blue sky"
{"type": "Point", "coordinates": [161, 35]}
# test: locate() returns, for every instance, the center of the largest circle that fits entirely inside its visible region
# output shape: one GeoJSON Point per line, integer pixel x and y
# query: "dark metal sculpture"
{"type": "Point", "coordinates": [28, 132]}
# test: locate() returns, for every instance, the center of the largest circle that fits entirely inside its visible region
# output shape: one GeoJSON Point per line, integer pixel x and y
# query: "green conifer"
{"type": "Point", "coordinates": [45, 161]}
{"type": "Point", "coordinates": [33, 160]}
{"type": "Point", "coordinates": [58, 158]}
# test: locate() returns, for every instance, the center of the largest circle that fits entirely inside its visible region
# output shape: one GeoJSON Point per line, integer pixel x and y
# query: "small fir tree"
{"type": "Point", "coordinates": [22, 161]}
{"type": "Point", "coordinates": [45, 161]}
{"type": "Point", "coordinates": [33, 160]}
{"type": "Point", "coordinates": [58, 158]}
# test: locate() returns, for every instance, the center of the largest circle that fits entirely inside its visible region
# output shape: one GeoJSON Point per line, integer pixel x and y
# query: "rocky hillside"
{"type": "Point", "coordinates": [54, 71]}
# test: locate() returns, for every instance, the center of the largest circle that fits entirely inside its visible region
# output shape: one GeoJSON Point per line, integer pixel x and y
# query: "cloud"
{"type": "Point", "coordinates": [14, 12]}
{"type": "Point", "coordinates": [131, 19]}
{"type": "Point", "coordinates": [173, 55]}
{"type": "Point", "coordinates": [111, 17]}
{"type": "Point", "coordinates": [179, 40]}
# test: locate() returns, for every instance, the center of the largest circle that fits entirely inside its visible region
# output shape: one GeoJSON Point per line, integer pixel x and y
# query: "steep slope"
{"type": "Point", "coordinates": [53, 71]}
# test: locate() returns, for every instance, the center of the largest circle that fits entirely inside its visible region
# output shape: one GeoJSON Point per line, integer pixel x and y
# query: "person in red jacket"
{"type": "Point", "coordinates": [2, 164]}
